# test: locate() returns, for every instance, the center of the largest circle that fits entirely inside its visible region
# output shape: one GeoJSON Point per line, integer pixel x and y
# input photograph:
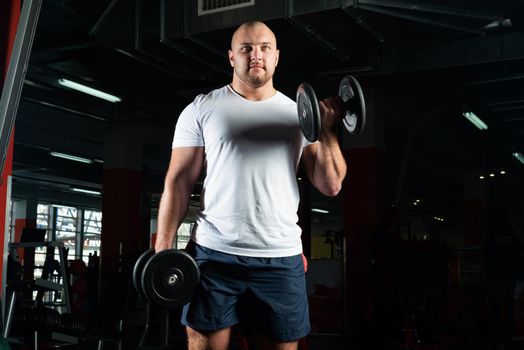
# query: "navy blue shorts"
{"type": "Point", "coordinates": [267, 295]}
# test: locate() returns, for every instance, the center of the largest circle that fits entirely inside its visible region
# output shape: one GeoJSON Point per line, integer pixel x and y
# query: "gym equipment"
{"type": "Point", "coordinates": [309, 112]}
{"type": "Point", "coordinates": [353, 97]}
{"type": "Point", "coordinates": [46, 319]}
{"type": "Point", "coordinates": [138, 268]}
{"type": "Point", "coordinates": [168, 278]}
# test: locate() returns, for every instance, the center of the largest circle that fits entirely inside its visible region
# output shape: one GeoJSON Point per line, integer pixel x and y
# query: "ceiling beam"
{"type": "Point", "coordinates": [469, 51]}
{"type": "Point", "coordinates": [435, 9]}
{"type": "Point", "coordinates": [420, 19]}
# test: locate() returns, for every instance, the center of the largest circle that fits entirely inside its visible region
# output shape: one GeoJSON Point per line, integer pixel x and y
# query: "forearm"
{"type": "Point", "coordinates": [171, 212]}
{"type": "Point", "coordinates": [184, 169]}
{"type": "Point", "coordinates": [330, 165]}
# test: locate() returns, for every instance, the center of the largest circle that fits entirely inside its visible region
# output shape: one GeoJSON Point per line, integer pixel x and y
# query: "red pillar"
{"type": "Point", "coordinates": [9, 16]}
{"type": "Point", "coordinates": [125, 215]}
{"type": "Point", "coordinates": [122, 220]}
{"type": "Point", "coordinates": [361, 202]}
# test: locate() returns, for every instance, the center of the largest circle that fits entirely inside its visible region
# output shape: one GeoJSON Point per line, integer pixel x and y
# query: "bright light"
{"type": "Point", "coordinates": [472, 117]}
{"type": "Point", "coordinates": [481, 177]}
{"type": "Point", "coordinates": [502, 172]}
{"type": "Point", "coordinates": [491, 175]}
{"type": "Point", "coordinates": [322, 211]}
{"type": "Point", "coordinates": [89, 90]}
{"type": "Point", "coordinates": [81, 190]}
{"type": "Point", "coordinates": [519, 157]}
{"type": "Point", "coordinates": [71, 157]}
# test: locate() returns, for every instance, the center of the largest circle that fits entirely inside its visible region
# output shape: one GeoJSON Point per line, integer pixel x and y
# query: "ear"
{"type": "Point", "coordinates": [277, 56]}
{"type": "Point", "coordinates": [231, 58]}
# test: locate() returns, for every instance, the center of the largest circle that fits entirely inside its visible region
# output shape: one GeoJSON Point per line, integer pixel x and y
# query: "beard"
{"type": "Point", "coordinates": [254, 80]}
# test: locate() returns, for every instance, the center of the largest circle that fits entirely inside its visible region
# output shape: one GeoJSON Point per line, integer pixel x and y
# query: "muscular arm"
{"type": "Point", "coordinates": [184, 169]}
{"type": "Point", "coordinates": [323, 161]}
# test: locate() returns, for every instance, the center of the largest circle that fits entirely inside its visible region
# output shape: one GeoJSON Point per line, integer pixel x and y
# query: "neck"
{"type": "Point", "coordinates": [252, 93]}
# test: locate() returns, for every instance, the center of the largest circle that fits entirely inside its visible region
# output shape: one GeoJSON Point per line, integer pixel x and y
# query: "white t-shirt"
{"type": "Point", "coordinates": [250, 195]}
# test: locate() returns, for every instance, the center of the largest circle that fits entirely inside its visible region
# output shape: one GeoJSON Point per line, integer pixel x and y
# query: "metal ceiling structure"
{"type": "Point", "coordinates": [432, 59]}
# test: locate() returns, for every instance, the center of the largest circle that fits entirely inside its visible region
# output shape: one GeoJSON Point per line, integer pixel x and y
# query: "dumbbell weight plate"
{"type": "Point", "coordinates": [308, 112]}
{"type": "Point", "coordinates": [353, 97]}
{"type": "Point", "coordinates": [139, 267]}
{"type": "Point", "coordinates": [170, 278]}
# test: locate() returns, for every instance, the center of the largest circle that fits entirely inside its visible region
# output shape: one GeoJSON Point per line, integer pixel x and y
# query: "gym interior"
{"type": "Point", "coordinates": [422, 249]}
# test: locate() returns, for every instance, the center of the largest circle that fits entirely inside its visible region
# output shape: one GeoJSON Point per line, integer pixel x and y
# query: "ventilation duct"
{"type": "Point", "coordinates": [181, 18]}
{"type": "Point", "coordinates": [206, 7]}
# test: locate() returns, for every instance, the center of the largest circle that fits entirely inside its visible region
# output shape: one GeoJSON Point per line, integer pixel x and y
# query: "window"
{"type": "Point", "coordinates": [92, 234]}
{"type": "Point", "coordinates": [66, 228]}
{"type": "Point", "coordinates": [79, 229]}
{"type": "Point", "coordinates": [183, 235]}
{"type": "Point", "coordinates": [43, 215]}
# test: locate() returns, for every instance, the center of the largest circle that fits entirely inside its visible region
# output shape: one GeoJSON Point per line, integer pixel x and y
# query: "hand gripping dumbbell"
{"type": "Point", "coordinates": [309, 113]}
{"type": "Point", "coordinates": [167, 278]}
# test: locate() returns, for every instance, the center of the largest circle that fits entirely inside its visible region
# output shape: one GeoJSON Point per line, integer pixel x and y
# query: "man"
{"type": "Point", "coordinates": [246, 138]}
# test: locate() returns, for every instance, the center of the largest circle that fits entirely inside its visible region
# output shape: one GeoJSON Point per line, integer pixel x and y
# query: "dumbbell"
{"type": "Point", "coordinates": [168, 278]}
{"type": "Point", "coordinates": [309, 113]}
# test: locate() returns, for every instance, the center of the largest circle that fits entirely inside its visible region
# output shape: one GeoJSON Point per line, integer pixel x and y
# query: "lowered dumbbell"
{"type": "Point", "coordinates": [167, 278]}
{"type": "Point", "coordinates": [309, 113]}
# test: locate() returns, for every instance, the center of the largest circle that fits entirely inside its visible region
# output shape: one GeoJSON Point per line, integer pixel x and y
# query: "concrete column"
{"type": "Point", "coordinates": [24, 215]}
{"type": "Point", "coordinates": [24, 212]}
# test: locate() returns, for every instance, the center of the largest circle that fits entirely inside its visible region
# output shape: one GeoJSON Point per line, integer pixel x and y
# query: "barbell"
{"type": "Point", "coordinates": [168, 278]}
{"type": "Point", "coordinates": [309, 112]}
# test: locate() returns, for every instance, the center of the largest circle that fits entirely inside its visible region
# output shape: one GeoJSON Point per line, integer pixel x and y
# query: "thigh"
{"type": "Point", "coordinates": [222, 281]}
{"type": "Point", "coordinates": [278, 306]}
{"type": "Point", "coordinates": [202, 340]}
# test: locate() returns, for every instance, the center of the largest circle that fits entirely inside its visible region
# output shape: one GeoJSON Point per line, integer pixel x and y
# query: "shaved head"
{"type": "Point", "coordinates": [250, 26]}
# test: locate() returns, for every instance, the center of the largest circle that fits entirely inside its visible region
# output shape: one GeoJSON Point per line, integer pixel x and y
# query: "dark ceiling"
{"type": "Point", "coordinates": [428, 59]}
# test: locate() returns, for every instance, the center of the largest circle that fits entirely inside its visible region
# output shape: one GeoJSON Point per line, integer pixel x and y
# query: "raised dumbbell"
{"type": "Point", "coordinates": [168, 278]}
{"type": "Point", "coordinates": [309, 113]}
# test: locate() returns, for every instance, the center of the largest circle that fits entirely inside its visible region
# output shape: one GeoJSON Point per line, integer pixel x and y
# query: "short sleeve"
{"type": "Point", "coordinates": [188, 130]}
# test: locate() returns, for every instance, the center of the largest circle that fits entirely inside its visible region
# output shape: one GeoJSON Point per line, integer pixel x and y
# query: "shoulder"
{"type": "Point", "coordinates": [284, 99]}
{"type": "Point", "coordinates": [204, 105]}
{"type": "Point", "coordinates": [211, 98]}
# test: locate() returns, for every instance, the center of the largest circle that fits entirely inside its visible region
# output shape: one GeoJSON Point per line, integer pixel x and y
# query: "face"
{"type": "Point", "coordinates": [253, 54]}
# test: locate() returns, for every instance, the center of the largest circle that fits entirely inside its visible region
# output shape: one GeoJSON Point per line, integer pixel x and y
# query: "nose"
{"type": "Point", "coordinates": [255, 54]}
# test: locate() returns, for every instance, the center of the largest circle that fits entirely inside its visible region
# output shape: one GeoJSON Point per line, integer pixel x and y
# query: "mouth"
{"type": "Point", "coordinates": [256, 66]}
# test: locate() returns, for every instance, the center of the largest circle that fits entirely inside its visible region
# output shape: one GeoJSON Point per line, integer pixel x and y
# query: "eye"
{"type": "Point", "coordinates": [246, 49]}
